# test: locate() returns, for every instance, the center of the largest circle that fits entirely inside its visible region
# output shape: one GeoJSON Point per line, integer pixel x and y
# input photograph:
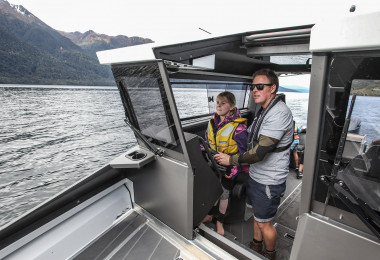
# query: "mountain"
{"type": "Point", "coordinates": [92, 42]}
{"type": "Point", "coordinates": [34, 53]}
{"type": "Point", "coordinates": [22, 63]}
{"type": "Point", "coordinates": [17, 20]}
{"type": "Point", "coordinates": [366, 88]}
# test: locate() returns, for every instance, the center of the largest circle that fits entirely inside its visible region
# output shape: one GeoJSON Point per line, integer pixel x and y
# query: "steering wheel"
{"type": "Point", "coordinates": [210, 158]}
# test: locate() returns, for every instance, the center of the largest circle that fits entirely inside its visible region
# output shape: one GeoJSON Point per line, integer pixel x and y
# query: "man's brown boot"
{"type": "Point", "coordinates": [271, 255]}
{"type": "Point", "coordinates": [256, 246]}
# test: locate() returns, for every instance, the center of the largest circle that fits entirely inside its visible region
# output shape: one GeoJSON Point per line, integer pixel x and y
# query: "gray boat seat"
{"type": "Point", "coordinates": [362, 176]}
{"type": "Point", "coordinates": [355, 144]}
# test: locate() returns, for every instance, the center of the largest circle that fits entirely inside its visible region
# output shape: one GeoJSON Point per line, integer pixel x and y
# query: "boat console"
{"type": "Point", "coordinates": [177, 186]}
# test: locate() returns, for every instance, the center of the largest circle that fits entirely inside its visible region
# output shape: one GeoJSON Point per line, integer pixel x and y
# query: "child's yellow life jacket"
{"type": "Point", "coordinates": [223, 141]}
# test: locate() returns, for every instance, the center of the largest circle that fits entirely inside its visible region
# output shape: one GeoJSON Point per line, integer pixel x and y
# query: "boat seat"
{"type": "Point", "coordinates": [196, 126]}
{"type": "Point", "coordinates": [362, 176]}
{"type": "Point", "coordinates": [239, 189]}
{"type": "Point", "coordinates": [354, 145]}
{"type": "Point", "coordinates": [368, 164]}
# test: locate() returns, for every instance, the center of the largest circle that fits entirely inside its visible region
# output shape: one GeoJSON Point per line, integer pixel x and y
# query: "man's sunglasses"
{"type": "Point", "coordinates": [258, 86]}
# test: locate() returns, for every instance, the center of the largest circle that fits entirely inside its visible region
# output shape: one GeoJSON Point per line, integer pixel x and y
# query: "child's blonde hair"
{"type": "Point", "coordinates": [230, 98]}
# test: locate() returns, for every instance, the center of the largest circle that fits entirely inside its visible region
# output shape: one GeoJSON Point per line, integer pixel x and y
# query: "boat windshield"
{"type": "Point", "coordinates": [146, 103]}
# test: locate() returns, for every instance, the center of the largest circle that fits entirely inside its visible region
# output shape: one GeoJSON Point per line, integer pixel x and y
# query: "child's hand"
{"type": "Point", "coordinates": [222, 158]}
{"type": "Point", "coordinates": [227, 176]}
{"type": "Point", "coordinates": [233, 172]}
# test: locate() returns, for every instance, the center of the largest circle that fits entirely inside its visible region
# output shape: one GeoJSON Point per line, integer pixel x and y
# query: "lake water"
{"type": "Point", "coordinates": [52, 136]}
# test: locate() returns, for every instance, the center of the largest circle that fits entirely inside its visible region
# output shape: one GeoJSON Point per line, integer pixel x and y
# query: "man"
{"type": "Point", "coordinates": [270, 137]}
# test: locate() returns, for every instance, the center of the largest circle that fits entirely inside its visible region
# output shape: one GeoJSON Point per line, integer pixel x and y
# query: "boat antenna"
{"type": "Point", "coordinates": [204, 30]}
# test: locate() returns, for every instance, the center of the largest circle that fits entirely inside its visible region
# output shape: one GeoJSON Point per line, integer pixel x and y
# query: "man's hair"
{"type": "Point", "coordinates": [269, 74]}
{"type": "Point", "coordinates": [229, 96]}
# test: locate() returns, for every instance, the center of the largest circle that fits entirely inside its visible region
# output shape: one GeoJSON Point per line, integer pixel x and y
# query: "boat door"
{"type": "Point", "coordinates": [340, 206]}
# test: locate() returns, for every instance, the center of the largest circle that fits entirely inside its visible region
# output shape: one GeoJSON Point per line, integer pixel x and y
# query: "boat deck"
{"type": "Point", "coordinates": [239, 228]}
{"type": "Point", "coordinates": [140, 236]}
{"type": "Point", "coordinates": [132, 238]}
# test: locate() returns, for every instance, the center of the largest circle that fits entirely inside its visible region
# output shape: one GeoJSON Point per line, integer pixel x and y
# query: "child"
{"type": "Point", "coordinates": [294, 146]}
{"type": "Point", "coordinates": [300, 152]}
{"type": "Point", "coordinates": [226, 133]}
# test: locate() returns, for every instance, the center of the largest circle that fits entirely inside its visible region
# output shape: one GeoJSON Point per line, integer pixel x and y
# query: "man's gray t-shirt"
{"type": "Point", "coordinates": [278, 124]}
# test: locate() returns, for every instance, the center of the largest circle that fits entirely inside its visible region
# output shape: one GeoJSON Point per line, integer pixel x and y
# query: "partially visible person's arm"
{"type": "Point", "coordinates": [263, 147]}
{"type": "Point", "coordinates": [256, 154]}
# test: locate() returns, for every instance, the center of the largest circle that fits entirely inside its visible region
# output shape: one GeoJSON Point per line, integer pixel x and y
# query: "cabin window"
{"type": "Point", "coordinates": [358, 164]}
{"type": "Point", "coordinates": [198, 97]}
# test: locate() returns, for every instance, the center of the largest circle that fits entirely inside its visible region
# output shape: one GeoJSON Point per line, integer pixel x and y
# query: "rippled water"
{"type": "Point", "coordinates": [52, 136]}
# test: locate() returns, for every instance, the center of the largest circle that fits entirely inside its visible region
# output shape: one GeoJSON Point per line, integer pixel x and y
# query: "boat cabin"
{"type": "Point", "coordinates": [150, 200]}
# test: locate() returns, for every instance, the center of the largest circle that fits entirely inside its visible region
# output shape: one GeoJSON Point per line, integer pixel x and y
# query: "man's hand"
{"type": "Point", "coordinates": [222, 159]}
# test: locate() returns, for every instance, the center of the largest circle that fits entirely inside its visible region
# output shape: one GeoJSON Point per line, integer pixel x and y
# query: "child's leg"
{"type": "Point", "coordinates": [211, 213]}
{"type": "Point", "coordinates": [223, 205]}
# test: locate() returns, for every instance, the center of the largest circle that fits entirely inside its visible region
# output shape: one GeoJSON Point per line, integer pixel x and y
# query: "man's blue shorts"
{"type": "Point", "coordinates": [264, 199]}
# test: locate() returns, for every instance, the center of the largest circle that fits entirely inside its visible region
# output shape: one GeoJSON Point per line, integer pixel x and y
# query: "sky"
{"type": "Point", "coordinates": [171, 21]}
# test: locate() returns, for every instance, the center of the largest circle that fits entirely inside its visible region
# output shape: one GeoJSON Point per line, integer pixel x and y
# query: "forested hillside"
{"type": "Point", "coordinates": [34, 53]}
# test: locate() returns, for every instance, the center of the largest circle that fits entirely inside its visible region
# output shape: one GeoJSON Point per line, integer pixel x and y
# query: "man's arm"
{"type": "Point", "coordinates": [265, 146]}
